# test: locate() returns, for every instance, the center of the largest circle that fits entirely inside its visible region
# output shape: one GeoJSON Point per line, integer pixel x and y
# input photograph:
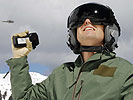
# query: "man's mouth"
{"type": "Point", "coordinates": [89, 28]}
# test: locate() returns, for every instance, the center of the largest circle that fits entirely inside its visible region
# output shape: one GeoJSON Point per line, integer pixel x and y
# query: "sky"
{"type": "Point", "coordinates": [48, 18]}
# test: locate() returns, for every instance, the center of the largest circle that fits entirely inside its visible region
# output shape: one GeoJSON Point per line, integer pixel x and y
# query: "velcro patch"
{"type": "Point", "coordinates": [105, 71]}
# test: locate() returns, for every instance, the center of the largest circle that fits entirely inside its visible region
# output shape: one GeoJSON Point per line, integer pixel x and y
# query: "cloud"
{"type": "Point", "coordinates": [52, 59]}
{"type": "Point", "coordinates": [125, 50]}
{"type": "Point", "coordinates": [48, 18]}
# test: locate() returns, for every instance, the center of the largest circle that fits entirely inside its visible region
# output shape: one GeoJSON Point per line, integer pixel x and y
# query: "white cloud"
{"type": "Point", "coordinates": [125, 50]}
{"type": "Point", "coordinates": [52, 59]}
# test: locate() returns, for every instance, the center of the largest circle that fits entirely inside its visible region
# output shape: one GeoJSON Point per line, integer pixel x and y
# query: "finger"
{"type": "Point", "coordinates": [28, 44]}
{"type": "Point", "coordinates": [26, 31]}
{"type": "Point", "coordinates": [22, 34]}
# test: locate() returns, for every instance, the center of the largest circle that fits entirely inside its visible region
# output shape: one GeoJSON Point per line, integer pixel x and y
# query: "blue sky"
{"type": "Point", "coordinates": [34, 67]}
{"type": "Point", "coordinates": [48, 18]}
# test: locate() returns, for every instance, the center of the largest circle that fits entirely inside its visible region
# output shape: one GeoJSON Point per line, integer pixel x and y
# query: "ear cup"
{"type": "Point", "coordinates": [73, 39]}
{"type": "Point", "coordinates": [111, 31]}
{"type": "Point", "coordinates": [73, 42]}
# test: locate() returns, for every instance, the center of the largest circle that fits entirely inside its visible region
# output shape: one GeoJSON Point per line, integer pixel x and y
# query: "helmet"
{"type": "Point", "coordinates": [99, 15]}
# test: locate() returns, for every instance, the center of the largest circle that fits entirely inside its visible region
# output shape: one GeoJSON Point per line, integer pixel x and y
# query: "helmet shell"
{"type": "Point", "coordinates": [99, 15]}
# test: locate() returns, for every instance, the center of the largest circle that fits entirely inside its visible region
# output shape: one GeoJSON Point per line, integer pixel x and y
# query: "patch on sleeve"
{"type": "Point", "coordinates": [105, 71]}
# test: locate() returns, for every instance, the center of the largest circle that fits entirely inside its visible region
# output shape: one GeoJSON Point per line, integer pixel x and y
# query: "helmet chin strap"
{"type": "Point", "coordinates": [91, 48]}
{"type": "Point", "coordinates": [97, 48]}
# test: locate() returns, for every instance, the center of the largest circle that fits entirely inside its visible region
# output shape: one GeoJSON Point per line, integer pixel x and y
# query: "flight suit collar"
{"type": "Point", "coordinates": [97, 56]}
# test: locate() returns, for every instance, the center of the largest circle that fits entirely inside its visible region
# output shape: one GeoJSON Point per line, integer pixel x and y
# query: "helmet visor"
{"type": "Point", "coordinates": [98, 14]}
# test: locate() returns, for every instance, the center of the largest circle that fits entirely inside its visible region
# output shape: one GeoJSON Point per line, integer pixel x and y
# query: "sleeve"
{"type": "Point", "coordinates": [127, 88]}
{"type": "Point", "coordinates": [21, 83]}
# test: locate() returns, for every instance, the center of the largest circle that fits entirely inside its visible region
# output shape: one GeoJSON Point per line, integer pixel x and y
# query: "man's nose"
{"type": "Point", "coordinates": [87, 21]}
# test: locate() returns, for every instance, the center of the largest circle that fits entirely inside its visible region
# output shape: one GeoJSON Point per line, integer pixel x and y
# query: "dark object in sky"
{"type": "Point", "coordinates": [8, 21]}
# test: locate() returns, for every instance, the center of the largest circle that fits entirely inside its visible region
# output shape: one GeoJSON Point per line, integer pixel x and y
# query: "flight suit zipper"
{"type": "Point", "coordinates": [75, 83]}
{"type": "Point", "coordinates": [80, 89]}
{"type": "Point", "coordinates": [75, 86]}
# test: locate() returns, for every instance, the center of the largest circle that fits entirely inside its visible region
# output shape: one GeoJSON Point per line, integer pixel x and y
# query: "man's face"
{"type": "Point", "coordinates": [90, 35]}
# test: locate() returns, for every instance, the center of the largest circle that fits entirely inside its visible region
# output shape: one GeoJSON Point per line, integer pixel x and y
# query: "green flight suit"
{"type": "Point", "coordinates": [103, 77]}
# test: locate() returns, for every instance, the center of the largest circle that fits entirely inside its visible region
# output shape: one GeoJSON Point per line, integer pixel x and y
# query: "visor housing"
{"type": "Point", "coordinates": [97, 13]}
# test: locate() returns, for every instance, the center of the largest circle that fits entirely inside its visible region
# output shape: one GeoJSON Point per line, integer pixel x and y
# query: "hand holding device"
{"type": "Point", "coordinates": [23, 43]}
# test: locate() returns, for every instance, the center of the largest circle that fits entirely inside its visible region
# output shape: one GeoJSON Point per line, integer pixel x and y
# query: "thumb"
{"type": "Point", "coordinates": [28, 44]}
